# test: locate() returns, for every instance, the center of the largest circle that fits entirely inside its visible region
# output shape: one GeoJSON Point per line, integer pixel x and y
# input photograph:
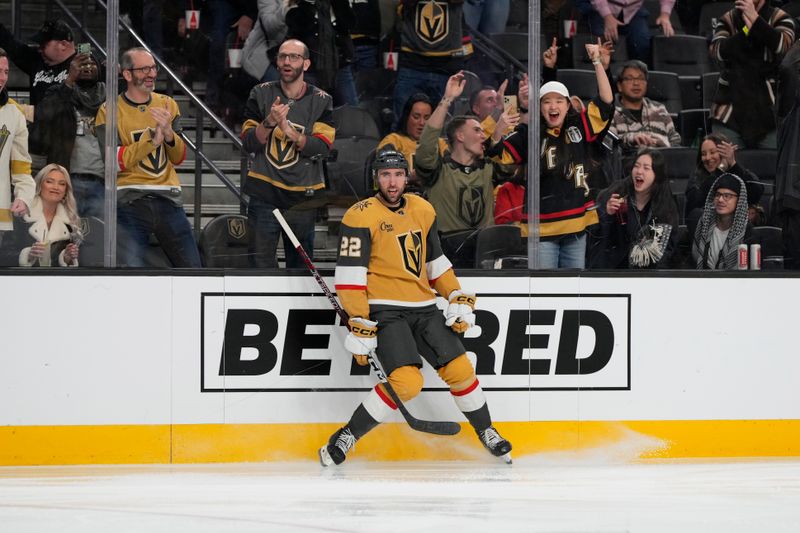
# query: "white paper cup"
{"type": "Point", "coordinates": [390, 60]}
{"type": "Point", "coordinates": [235, 57]}
{"type": "Point", "coordinates": [192, 19]}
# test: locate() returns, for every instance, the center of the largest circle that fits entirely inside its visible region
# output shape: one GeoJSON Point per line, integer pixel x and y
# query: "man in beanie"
{"type": "Point", "coordinates": [723, 225]}
{"type": "Point", "coordinates": [49, 64]}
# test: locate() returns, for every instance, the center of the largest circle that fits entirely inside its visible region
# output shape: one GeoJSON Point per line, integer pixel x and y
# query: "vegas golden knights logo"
{"type": "Point", "coordinates": [281, 151]}
{"type": "Point", "coordinates": [471, 205]}
{"type": "Point", "coordinates": [411, 250]}
{"type": "Point", "coordinates": [237, 228]}
{"type": "Point", "coordinates": [4, 135]}
{"type": "Point", "coordinates": [154, 163]}
{"type": "Point", "coordinates": [432, 21]}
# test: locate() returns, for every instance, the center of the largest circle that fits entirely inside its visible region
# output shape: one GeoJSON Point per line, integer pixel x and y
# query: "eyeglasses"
{"type": "Point", "coordinates": [145, 70]}
{"type": "Point", "coordinates": [630, 79]}
{"type": "Point", "coordinates": [291, 57]}
{"type": "Point", "coordinates": [725, 196]}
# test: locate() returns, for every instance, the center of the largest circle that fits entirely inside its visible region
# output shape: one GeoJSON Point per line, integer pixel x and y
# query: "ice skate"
{"type": "Point", "coordinates": [335, 452]}
{"type": "Point", "coordinates": [497, 445]}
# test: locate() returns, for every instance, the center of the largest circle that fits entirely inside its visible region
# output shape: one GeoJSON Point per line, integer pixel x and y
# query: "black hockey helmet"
{"type": "Point", "coordinates": [388, 159]}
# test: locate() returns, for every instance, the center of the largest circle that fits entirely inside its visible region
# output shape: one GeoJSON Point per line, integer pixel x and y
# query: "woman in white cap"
{"type": "Point", "coordinates": [566, 206]}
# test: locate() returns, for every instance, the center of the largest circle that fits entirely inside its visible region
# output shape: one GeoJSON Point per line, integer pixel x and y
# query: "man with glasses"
{"type": "Point", "coordinates": [289, 129]}
{"type": "Point", "coordinates": [638, 120]}
{"type": "Point", "coordinates": [148, 189]}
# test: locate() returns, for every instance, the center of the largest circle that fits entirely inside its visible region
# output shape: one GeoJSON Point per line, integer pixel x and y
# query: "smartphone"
{"type": "Point", "coordinates": [510, 104]}
{"type": "Point", "coordinates": [84, 48]}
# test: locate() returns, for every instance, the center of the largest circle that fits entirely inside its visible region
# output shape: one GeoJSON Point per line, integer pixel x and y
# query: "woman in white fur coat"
{"type": "Point", "coordinates": [51, 233]}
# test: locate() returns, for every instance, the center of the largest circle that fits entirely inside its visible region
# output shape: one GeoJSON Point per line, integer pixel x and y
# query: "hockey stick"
{"type": "Point", "coordinates": [426, 426]}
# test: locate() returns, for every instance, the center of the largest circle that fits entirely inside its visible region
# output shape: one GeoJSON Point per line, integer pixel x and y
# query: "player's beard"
{"type": "Point", "coordinates": [293, 76]}
{"type": "Point", "coordinates": [387, 199]}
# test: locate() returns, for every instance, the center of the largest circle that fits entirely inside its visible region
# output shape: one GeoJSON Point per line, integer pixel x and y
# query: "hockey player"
{"type": "Point", "coordinates": [389, 259]}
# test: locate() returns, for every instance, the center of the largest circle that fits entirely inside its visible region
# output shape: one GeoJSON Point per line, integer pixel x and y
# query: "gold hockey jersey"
{"type": "Point", "coordinates": [391, 257]}
{"type": "Point", "coordinates": [143, 166]}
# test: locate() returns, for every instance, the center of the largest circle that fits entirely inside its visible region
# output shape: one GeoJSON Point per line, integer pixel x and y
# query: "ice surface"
{"type": "Point", "coordinates": [542, 495]}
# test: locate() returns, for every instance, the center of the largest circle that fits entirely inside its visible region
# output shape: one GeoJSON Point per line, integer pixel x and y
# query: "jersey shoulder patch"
{"type": "Point", "coordinates": [360, 213]}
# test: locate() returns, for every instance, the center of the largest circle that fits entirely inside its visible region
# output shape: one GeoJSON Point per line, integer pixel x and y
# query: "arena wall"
{"type": "Point", "coordinates": [183, 368]}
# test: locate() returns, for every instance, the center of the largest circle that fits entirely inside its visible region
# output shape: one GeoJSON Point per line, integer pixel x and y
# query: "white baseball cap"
{"type": "Point", "coordinates": [553, 87]}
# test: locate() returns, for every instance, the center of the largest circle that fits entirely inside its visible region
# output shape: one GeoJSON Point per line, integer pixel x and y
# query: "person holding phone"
{"type": "Point", "coordinates": [69, 109]}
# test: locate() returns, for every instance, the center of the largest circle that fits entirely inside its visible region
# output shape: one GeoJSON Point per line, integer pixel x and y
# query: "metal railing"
{"type": "Point", "coordinates": [202, 111]}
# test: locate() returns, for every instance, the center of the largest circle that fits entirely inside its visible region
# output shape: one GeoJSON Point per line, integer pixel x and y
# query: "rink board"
{"type": "Point", "coordinates": [188, 368]}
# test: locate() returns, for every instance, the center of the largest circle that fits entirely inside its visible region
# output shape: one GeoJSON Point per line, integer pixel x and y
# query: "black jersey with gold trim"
{"type": "Point", "coordinates": [567, 205]}
{"type": "Point", "coordinates": [280, 173]}
{"type": "Point", "coordinates": [434, 36]}
{"type": "Point", "coordinates": [393, 255]}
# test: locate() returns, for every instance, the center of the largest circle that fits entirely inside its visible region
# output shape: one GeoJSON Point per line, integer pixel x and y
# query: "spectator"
{"type": "Point", "coordinates": [787, 177]}
{"type": "Point", "coordinates": [638, 216]}
{"type": "Point", "coordinates": [268, 32]}
{"type": "Point", "coordinates": [148, 188]}
{"type": "Point", "coordinates": [366, 34]}
{"type": "Point", "coordinates": [224, 15]}
{"type": "Point", "coordinates": [639, 121]}
{"type": "Point", "coordinates": [68, 110]}
{"type": "Point", "coordinates": [415, 115]}
{"type": "Point", "coordinates": [723, 225]}
{"type": "Point", "coordinates": [460, 184]}
{"type": "Point", "coordinates": [15, 163]}
{"type": "Point", "coordinates": [715, 157]}
{"type": "Point", "coordinates": [487, 16]}
{"type": "Point", "coordinates": [610, 19]}
{"type": "Point", "coordinates": [569, 141]}
{"type": "Point", "coordinates": [324, 26]}
{"type": "Point", "coordinates": [749, 42]}
{"type": "Point", "coordinates": [50, 233]}
{"type": "Point", "coordinates": [49, 64]}
{"type": "Point", "coordinates": [289, 129]}
{"type": "Point", "coordinates": [487, 104]}
{"type": "Point", "coordinates": [435, 44]}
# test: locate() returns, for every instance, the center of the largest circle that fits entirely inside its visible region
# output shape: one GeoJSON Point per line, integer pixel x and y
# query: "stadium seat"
{"type": "Point", "coordinates": [693, 125]}
{"type": "Point", "coordinates": [346, 175]}
{"type": "Point", "coordinates": [664, 87]}
{"type": "Point", "coordinates": [680, 163]}
{"type": "Point", "coordinates": [762, 163]}
{"type": "Point", "coordinates": [515, 44]}
{"type": "Point", "coordinates": [92, 248]}
{"type": "Point", "coordinates": [224, 242]}
{"type": "Point", "coordinates": [771, 240]}
{"type": "Point", "coordinates": [354, 121]}
{"type": "Point", "coordinates": [495, 242]}
{"type": "Point", "coordinates": [685, 55]}
{"type": "Point", "coordinates": [709, 84]}
{"type": "Point", "coordinates": [582, 83]}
